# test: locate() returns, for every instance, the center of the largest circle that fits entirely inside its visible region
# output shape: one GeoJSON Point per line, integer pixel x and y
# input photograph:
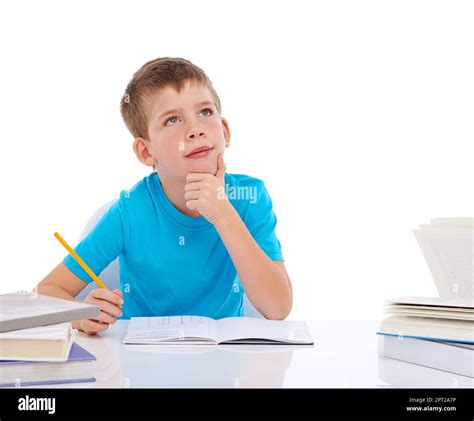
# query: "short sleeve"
{"type": "Point", "coordinates": [262, 224]}
{"type": "Point", "coordinates": [101, 246]}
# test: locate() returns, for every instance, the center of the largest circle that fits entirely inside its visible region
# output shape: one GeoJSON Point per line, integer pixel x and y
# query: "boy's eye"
{"type": "Point", "coordinates": [173, 119]}
{"type": "Point", "coordinates": [207, 109]}
{"type": "Point", "coordinates": [170, 120]}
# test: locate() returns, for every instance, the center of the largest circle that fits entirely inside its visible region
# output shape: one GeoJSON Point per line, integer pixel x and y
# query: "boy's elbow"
{"type": "Point", "coordinates": [42, 287]}
{"type": "Point", "coordinates": [282, 308]}
{"type": "Point", "coordinates": [279, 313]}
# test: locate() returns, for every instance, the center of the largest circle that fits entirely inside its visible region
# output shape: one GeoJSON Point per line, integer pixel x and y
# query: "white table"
{"type": "Point", "coordinates": [344, 356]}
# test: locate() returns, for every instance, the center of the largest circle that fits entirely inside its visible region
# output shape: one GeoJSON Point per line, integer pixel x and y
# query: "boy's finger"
{"type": "Point", "coordinates": [196, 185]}
{"type": "Point", "coordinates": [192, 204]}
{"type": "Point", "coordinates": [108, 307]}
{"type": "Point", "coordinates": [192, 195]}
{"type": "Point", "coordinates": [92, 326]}
{"type": "Point", "coordinates": [221, 167]}
{"type": "Point", "coordinates": [104, 294]}
{"type": "Point", "coordinates": [105, 318]}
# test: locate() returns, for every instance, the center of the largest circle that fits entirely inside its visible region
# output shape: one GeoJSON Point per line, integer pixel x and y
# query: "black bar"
{"type": "Point", "coordinates": [291, 404]}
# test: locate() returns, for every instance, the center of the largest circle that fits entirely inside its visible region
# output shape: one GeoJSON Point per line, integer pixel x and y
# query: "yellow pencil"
{"type": "Point", "coordinates": [80, 261]}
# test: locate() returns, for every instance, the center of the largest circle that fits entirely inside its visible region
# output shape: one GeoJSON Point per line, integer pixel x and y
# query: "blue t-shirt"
{"type": "Point", "coordinates": [170, 263]}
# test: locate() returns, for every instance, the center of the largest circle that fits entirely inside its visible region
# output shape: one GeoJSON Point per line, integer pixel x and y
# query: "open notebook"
{"type": "Point", "coordinates": [204, 330]}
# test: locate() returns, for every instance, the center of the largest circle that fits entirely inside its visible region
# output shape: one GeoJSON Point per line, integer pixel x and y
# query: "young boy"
{"type": "Point", "coordinates": [190, 238]}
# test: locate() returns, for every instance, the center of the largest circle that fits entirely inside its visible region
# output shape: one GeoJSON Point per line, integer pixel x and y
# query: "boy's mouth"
{"type": "Point", "coordinates": [200, 152]}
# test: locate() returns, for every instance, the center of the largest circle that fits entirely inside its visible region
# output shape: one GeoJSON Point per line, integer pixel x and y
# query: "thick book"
{"type": "Point", "coordinates": [43, 343]}
{"type": "Point", "coordinates": [449, 320]}
{"type": "Point", "coordinates": [77, 369]}
{"type": "Point", "coordinates": [200, 330]}
{"type": "Point", "coordinates": [452, 357]}
{"type": "Point", "coordinates": [24, 310]}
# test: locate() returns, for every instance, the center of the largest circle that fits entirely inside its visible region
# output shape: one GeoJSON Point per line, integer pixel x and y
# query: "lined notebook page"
{"type": "Point", "coordinates": [157, 329]}
{"type": "Point", "coordinates": [239, 328]}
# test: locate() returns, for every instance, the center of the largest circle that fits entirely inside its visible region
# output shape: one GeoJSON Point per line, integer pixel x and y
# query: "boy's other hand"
{"type": "Point", "coordinates": [205, 193]}
{"type": "Point", "coordinates": [110, 303]}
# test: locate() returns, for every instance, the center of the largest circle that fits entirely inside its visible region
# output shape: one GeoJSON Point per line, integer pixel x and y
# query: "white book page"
{"type": "Point", "coordinates": [169, 329]}
{"type": "Point", "coordinates": [435, 265]}
{"type": "Point", "coordinates": [448, 253]}
{"type": "Point", "coordinates": [427, 323]}
{"type": "Point", "coordinates": [239, 328]}
{"type": "Point", "coordinates": [55, 332]}
{"type": "Point", "coordinates": [417, 307]}
{"type": "Point", "coordinates": [456, 315]}
{"type": "Point", "coordinates": [436, 301]}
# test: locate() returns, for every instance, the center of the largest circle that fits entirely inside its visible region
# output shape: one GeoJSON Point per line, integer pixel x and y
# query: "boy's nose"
{"type": "Point", "coordinates": [194, 133]}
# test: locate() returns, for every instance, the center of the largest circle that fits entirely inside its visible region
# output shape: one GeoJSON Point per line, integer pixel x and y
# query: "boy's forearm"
{"type": "Point", "coordinates": [265, 284]}
{"type": "Point", "coordinates": [54, 291]}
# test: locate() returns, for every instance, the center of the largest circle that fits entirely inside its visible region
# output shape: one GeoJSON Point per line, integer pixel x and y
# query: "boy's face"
{"type": "Point", "coordinates": [178, 123]}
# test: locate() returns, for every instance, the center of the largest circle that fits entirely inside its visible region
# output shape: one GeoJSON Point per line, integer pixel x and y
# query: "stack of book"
{"type": "Point", "coordinates": [37, 341]}
{"type": "Point", "coordinates": [432, 332]}
{"type": "Point", "coordinates": [437, 332]}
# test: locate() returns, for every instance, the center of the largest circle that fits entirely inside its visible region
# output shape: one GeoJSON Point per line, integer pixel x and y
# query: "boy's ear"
{"type": "Point", "coordinates": [226, 131]}
{"type": "Point", "coordinates": [140, 147]}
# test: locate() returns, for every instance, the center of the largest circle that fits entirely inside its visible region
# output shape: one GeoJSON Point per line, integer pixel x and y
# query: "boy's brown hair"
{"type": "Point", "coordinates": [149, 80]}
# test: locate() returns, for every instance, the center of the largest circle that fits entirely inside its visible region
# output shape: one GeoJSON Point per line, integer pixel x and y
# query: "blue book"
{"type": "Point", "coordinates": [77, 369]}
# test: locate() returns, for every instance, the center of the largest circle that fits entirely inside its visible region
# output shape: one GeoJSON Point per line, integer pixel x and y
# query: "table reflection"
{"type": "Point", "coordinates": [206, 365]}
{"type": "Point", "coordinates": [395, 373]}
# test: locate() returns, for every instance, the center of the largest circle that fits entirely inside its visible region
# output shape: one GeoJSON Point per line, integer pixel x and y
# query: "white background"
{"type": "Point", "coordinates": [358, 115]}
